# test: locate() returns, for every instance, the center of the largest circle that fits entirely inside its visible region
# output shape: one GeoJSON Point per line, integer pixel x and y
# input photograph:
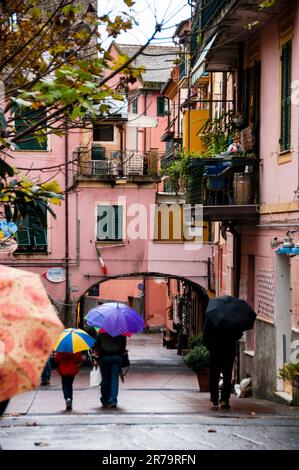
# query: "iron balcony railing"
{"type": "Point", "coordinates": [229, 180]}
{"type": "Point", "coordinates": [114, 164]}
{"type": "Point", "coordinates": [183, 68]}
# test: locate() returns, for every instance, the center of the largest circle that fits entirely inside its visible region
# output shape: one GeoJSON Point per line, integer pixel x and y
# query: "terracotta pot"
{"type": "Point", "coordinates": [203, 377]}
{"type": "Point", "coordinates": [295, 390]}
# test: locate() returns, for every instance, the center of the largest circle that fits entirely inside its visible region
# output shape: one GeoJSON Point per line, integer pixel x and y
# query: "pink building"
{"type": "Point", "coordinates": [109, 224]}
{"type": "Point", "coordinates": [261, 57]}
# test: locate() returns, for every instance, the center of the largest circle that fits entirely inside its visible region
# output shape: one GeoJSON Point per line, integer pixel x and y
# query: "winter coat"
{"type": "Point", "coordinates": [220, 342]}
{"type": "Point", "coordinates": [107, 345]}
{"type": "Point", "coordinates": [68, 363]}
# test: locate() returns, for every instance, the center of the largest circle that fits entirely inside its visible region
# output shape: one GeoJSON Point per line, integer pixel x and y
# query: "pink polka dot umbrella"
{"type": "Point", "coordinates": [29, 327]}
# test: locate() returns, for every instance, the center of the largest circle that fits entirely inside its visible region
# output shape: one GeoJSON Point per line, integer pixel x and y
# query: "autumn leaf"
{"type": "Point", "coordinates": [129, 3]}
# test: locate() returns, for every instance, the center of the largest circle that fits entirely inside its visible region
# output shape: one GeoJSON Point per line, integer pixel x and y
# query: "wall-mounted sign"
{"type": "Point", "coordinates": [94, 291]}
{"type": "Point", "coordinates": [140, 286]}
{"type": "Point", "coordinates": [56, 274]}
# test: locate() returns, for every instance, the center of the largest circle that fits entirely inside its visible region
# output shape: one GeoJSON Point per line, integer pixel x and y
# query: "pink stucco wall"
{"type": "Point", "coordinates": [273, 190]}
{"type": "Point", "coordinates": [120, 289]}
{"type": "Point", "coordinates": [156, 301]}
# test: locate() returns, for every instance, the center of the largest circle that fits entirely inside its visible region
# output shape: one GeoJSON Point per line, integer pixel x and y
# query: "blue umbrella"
{"type": "Point", "coordinates": [115, 318]}
{"type": "Point", "coordinates": [73, 340]}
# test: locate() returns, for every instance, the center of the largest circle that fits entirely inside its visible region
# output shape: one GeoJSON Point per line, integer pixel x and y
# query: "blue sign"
{"type": "Point", "coordinates": [140, 286]}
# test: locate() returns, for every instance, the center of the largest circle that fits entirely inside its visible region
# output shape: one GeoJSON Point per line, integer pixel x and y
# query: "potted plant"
{"type": "Point", "coordinates": [198, 359]}
{"type": "Point", "coordinates": [290, 374]}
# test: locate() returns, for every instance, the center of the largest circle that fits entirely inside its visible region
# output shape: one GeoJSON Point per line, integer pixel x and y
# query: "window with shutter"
{"type": "Point", "coordinates": [32, 235]}
{"type": "Point", "coordinates": [161, 111]}
{"type": "Point", "coordinates": [103, 132]}
{"type": "Point", "coordinates": [134, 105]}
{"type": "Point", "coordinates": [24, 119]}
{"type": "Point", "coordinates": [109, 223]}
{"type": "Point", "coordinates": [286, 91]}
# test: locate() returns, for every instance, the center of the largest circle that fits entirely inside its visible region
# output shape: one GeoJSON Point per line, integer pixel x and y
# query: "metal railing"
{"type": "Point", "coordinates": [115, 164]}
{"type": "Point", "coordinates": [231, 180]}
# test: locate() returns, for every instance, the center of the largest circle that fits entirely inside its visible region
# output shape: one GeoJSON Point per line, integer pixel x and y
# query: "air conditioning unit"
{"type": "Point", "coordinates": [134, 165]}
{"type": "Point", "coordinates": [98, 152]}
{"type": "Point", "coordinates": [100, 167]}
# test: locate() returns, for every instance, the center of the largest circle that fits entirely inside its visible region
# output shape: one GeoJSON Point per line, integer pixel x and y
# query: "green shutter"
{"type": "Point", "coordinates": [32, 234]}
{"type": "Point", "coordinates": [286, 90]}
{"type": "Point", "coordinates": [134, 105]}
{"type": "Point", "coordinates": [25, 119]}
{"type": "Point", "coordinates": [160, 106]}
{"type": "Point", "coordinates": [23, 237]}
{"type": "Point", "coordinates": [109, 222]}
{"type": "Point", "coordinates": [118, 222]}
{"type": "Point", "coordinates": [40, 238]}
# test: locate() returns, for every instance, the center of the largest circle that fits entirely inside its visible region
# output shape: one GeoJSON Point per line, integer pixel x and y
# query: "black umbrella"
{"type": "Point", "coordinates": [230, 313]}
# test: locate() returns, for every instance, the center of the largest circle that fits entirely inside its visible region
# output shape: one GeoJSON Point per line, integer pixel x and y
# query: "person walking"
{"type": "Point", "coordinates": [68, 368]}
{"type": "Point", "coordinates": [110, 351]}
{"type": "Point", "coordinates": [46, 374]}
{"type": "Point", "coordinates": [222, 345]}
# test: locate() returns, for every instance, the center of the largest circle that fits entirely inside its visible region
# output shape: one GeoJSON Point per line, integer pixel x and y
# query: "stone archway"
{"type": "Point", "coordinates": [176, 288]}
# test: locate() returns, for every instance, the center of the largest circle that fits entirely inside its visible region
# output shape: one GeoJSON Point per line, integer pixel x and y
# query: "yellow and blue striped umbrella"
{"type": "Point", "coordinates": [73, 340]}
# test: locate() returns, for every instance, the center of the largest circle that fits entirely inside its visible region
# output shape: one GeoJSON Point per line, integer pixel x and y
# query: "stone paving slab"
{"type": "Point", "coordinates": [160, 407]}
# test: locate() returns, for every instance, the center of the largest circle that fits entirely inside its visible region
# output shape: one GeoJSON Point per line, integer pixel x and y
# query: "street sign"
{"type": "Point", "coordinates": [56, 274]}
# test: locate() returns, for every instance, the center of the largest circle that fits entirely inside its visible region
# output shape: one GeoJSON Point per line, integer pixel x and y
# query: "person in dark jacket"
{"type": "Point", "coordinates": [222, 346]}
{"type": "Point", "coordinates": [46, 374]}
{"type": "Point", "coordinates": [110, 351]}
{"type": "Point", "coordinates": [68, 368]}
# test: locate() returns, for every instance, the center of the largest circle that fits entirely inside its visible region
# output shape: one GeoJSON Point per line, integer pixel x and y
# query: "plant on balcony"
{"type": "Point", "coordinates": [217, 134]}
{"type": "Point", "coordinates": [176, 172]}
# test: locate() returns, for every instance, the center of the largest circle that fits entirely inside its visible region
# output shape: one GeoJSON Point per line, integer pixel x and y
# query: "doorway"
{"type": "Point", "coordinates": [282, 311]}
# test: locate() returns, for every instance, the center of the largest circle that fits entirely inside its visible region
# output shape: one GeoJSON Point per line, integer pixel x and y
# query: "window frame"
{"type": "Point", "coordinates": [159, 101]}
{"type": "Point", "coordinates": [32, 144]}
{"type": "Point", "coordinates": [104, 125]}
{"type": "Point", "coordinates": [118, 228]}
{"type": "Point", "coordinates": [286, 59]}
{"type": "Point", "coordinates": [134, 105]}
{"type": "Point", "coordinates": [32, 246]}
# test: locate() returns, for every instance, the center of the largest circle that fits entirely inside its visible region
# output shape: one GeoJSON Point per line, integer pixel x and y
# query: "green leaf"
{"type": "Point", "coordinates": [5, 169]}
{"type": "Point", "coordinates": [20, 102]}
{"type": "Point", "coordinates": [129, 3]}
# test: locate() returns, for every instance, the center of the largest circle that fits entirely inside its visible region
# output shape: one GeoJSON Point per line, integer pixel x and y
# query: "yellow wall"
{"type": "Point", "coordinates": [198, 117]}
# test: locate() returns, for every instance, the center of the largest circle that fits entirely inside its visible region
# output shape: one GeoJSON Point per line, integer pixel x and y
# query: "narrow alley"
{"type": "Point", "coordinates": [160, 407]}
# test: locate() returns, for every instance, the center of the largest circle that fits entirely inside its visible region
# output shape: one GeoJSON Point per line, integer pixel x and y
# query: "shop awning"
{"type": "Point", "coordinates": [137, 120]}
{"type": "Point", "coordinates": [199, 68]}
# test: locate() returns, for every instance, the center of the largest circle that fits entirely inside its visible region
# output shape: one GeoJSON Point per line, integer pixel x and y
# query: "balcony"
{"type": "Point", "coordinates": [226, 186]}
{"type": "Point", "coordinates": [210, 10]}
{"type": "Point", "coordinates": [229, 21]}
{"type": "Point", "coordinates": [129, 165]}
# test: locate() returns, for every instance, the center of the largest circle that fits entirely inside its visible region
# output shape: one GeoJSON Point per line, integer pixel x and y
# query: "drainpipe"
{"type": "Point", "coordinates": [77, 231]}
{"type": "Point", "coordinates": [144, 130]}
{"type": "Point", "coordinates": [179, 114]}
{"type": "Point", "coordinates": [236, 279]}
{"type": "Point", "coordinates": [211, 97]}
{"type": "Point", "coordinates": [66, 217]}
{"type": "Point", "coordinates": [240, 78]}
{"type": "Point", "coordinates": [236, 260]}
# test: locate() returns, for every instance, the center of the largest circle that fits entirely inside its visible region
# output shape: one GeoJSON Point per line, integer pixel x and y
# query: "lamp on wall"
{"type": "Point", "coordinates": [288, 247]}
